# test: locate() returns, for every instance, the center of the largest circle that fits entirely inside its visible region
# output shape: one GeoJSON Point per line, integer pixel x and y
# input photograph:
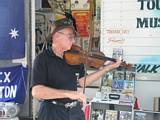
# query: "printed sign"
{"type": "Point", "coordinates": [80, 4]}
{"type": "Point", "coordinates": [82, 22]}
{"type": "Point", "coordinates": [13, 84]}
{"type": "Point", "coordinates": [134, 26]}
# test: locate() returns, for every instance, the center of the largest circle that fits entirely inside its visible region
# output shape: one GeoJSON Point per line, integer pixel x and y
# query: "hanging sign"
{"type": "Point", "coordinates": [13, 84]}
{"type": "Point", "coordinates": [82, 22]}
{"type": "Point", "coordinates": [80, 4]}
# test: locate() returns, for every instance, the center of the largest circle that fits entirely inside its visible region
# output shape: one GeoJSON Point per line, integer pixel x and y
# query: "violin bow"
{"type": "Point", "coordinates": [89, 43]}
{"type": "Point", "coordinates": [85, 75]}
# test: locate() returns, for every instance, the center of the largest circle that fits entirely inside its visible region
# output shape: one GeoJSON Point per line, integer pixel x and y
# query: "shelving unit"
{"type": "Point", "coordinates": [146, 115]}
{"type": "Point", "coordinates": [121, 83]}
{"type": "Point", "coordinates": [115, 101]}
{"type": "Point", "coordinates": [110, 108]}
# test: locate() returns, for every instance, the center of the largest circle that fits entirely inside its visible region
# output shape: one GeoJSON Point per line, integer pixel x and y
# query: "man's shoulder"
{"type": "Point", "coordinates": [43, 54]}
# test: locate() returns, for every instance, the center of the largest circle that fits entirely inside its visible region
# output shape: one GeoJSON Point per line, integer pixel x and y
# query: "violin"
{"type": "Point", "coordinates": [96, 59]}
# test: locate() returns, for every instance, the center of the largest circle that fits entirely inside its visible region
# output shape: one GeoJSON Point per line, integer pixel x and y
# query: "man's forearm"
{"type": "Point", "coordinates": [43, 92]}
{"type": "Point", "coordinates": [93, 76]}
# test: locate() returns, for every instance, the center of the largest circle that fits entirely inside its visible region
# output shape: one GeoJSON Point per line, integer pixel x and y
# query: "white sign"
{"type": "Point", "coordinates": [134, 26]}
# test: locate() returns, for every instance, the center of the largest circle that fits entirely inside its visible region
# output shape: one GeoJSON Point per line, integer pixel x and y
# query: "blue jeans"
{"type": "Point", "coordinates": [50, 111]}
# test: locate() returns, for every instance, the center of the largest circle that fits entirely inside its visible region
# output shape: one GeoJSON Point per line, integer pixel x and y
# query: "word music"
{"type": "Point", "coordinates": [149, 22]}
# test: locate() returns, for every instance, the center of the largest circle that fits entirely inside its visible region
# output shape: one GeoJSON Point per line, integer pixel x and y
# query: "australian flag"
{"type": "Point", "coordinates": [12, 40]}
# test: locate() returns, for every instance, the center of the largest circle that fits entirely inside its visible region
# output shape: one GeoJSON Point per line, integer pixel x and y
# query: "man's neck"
{"type": "Point", "coordinates": [57, 52]}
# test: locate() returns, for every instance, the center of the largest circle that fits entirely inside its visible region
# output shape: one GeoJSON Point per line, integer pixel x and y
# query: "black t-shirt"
{"type": "Point", "coordinates": [50, 70]}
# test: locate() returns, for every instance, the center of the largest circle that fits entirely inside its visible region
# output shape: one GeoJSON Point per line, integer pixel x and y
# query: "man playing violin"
{"type": "Point", "coordinates": [55, 81]}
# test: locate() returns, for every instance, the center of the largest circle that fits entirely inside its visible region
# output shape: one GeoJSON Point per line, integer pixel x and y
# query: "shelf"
{"type": "Point", "coordinates": [110, 105]}
{"type": "Point", "coordinates": [44, 10]}
{"type": "Point", "coordinates": [147, 111]}
{"type": "Point", "coordinates": [116, 97]}
{"type": "Point", "coordinates": [146, 115]}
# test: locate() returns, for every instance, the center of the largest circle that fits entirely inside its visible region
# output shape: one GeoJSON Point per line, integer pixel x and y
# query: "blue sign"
{"type": "Point", "coordinates": [12, 40]}
{"type": "Point", "coordinates": [13, 84]}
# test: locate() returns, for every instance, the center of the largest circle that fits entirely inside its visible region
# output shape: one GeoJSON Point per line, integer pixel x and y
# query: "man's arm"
{"type": "Point", "coordinates": [42, 92]}
{"type": "Point", "coordinates": [97, 74]}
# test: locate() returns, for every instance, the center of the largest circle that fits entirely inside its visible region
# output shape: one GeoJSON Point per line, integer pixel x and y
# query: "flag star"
{"type": "Point", "coordinates": [14, 33]}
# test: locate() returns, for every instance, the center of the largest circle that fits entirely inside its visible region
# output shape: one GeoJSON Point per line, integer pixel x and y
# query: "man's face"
{"type": "Point", "coordinates": [64, 38]}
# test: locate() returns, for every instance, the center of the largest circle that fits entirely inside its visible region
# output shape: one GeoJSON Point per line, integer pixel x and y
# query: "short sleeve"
{"type": "Point", "coordinates": [39, 71]}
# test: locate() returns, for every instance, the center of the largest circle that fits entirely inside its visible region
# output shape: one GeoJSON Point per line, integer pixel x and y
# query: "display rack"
{"type": "Point", "coordinates": [146, 115]}
{"type": "Point", "coordinates": [115, 101]}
